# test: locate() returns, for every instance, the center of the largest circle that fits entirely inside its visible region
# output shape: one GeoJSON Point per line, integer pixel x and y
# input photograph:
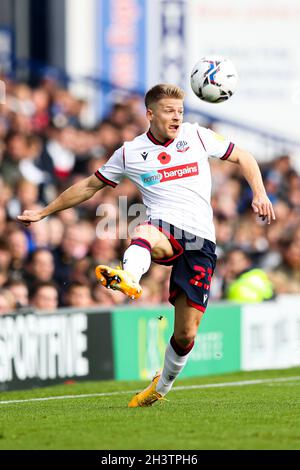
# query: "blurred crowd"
{"type": "Point", "coordinates": [47, 143]}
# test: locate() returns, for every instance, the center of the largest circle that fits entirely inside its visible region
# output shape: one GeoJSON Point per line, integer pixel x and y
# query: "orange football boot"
{"type": "Point", "coordinates": [118, 279]}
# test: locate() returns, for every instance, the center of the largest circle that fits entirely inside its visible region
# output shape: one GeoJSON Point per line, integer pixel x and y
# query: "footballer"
{"type": "Point", "coordinates": [170, 166]}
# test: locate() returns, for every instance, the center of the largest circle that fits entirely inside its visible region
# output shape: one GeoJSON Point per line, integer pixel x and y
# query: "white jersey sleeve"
{"type": "Point", "coordinates": [215, 144]}
{"type": "Point", "coordinates": [112, 172]}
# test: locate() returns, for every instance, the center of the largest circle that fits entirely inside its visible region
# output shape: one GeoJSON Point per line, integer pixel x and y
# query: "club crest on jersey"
{"type": "Point", "coordinates": [164, 158]}
{"type": "Point", "coordinates": [182, 146]}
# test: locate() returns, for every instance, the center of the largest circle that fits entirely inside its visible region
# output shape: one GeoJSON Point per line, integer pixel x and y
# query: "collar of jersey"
{"type": "Point", "coordinates": [157, 142]}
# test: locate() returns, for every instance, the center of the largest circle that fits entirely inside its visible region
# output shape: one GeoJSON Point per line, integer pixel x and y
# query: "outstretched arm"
{"type": "Point", "coordinates": [250, 170]}
{"type": "Point", "coordinates": [74, 195]}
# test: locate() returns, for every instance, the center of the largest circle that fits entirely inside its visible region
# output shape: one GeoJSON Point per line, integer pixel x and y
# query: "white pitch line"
{"type": "Point", "coordinates": [179, 388]}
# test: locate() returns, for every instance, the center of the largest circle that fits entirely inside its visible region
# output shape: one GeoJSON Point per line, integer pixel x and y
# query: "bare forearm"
{"type": "Point", "coordinates": [250, 169]}
{"type": "Point", "coordinates": [251, 173]}
{"type": "Point", "coordinates": [74, 195]}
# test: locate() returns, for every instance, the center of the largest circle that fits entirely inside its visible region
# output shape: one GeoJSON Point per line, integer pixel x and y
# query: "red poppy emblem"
{"type": "Point", "coordinates": [164, 158]}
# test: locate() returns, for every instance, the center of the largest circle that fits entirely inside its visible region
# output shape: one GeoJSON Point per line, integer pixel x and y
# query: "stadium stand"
{"type": "Point", "coordinates": [46, 144]}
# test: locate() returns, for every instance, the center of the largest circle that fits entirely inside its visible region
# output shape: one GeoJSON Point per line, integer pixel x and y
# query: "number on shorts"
{"type": "Point", "coordinates": [203, 272]}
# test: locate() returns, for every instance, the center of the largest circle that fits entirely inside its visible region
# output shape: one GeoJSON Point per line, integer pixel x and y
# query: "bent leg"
{"type": "Point", "coordinates": [160, 245]}
{"type": "Point", "coordinates": [147, 242]}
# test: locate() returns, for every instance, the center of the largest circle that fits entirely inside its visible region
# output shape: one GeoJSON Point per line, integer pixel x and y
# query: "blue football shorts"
{"type": "Point", "coordinates": [193, 264]}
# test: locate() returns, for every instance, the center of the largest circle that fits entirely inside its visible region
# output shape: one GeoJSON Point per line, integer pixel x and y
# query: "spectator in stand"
{"type": "Point", "coordinates": [7, 302]}
{"type": "Point", "coordinates": [44, 296]}
{"type": "Point", "coordinates": [5, 255]}
{"type": "Point", "coordinates": [39, 237]}
{"type": "Point", "coordinates": [271, 258]}
{"type": "Point", "coordinates": [2, 220]}
{"type": "Point", "coordinates": [242, 281]}
{"type": "Point", "coordinates": [224, 234]}
{"type": "Point", "coordinates": [105, 249]}
{"type": "Point", "coordinates": [49, 138]}
{"type": "Point", "coordinates": [41, 116]}
{"type": "Point", "coordinates": [109, 136]}
{"type": "Point", "coordinates": [107, 298]}
{"type": "Point", "coordinates": [78, 294]}
{"type": "Point", "coordinates": [3, 276]}
{"type": "Point", "coordinates": [55, 228]}
{"type": "Point", "coordinates": [6, 193]}
{"type": "Point", "coordinates": [19, 249]}
{"type": "Point", "coordinates": [19, 289]}
{"type": "Point", "coordinates": [286, 276]}
{"type": "Point", "coordinates": [60, 148]}
{"type": "Point", "coordinates": [75, 246]}
{"type": "Point", "coordinates": [24, 158]}
{"type": "Point", "coordinates": [26, 195]}
{"type": "Point", "coordinates": [40, 267]}
{"type": "Point", "coordinates": [16, 151]}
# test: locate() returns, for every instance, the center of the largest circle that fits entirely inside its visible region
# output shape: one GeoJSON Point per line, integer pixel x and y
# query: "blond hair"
{"type": "Point", "coordinates": [161, 91]}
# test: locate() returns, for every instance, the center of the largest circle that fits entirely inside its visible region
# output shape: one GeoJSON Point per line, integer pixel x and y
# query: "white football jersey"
{"type": "Point", "coordinates": [174, 178]}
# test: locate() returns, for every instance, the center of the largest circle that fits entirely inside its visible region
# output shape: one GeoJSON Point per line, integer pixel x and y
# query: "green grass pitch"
{"type": "Point", "coordinates": [247, 416]}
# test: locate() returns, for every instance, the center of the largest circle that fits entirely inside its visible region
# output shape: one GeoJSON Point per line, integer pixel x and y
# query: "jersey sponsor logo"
{"type": "Point", "coordinates": [169, 174]}
{"type": "Point", "coordinates": [182, 146]}
{"type": "Point", "coordinates": [178, 172]}
{"type": "Point", "coordinates": [151, 178]}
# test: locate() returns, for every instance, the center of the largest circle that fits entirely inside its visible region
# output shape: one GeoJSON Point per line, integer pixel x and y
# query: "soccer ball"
{"type": "Point", "coordinates": [214, 79]}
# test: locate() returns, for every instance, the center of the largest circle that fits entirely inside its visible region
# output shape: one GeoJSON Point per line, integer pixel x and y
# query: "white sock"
{"type": "Point", "coordinates": [173, 365]}
{"type": "Point", "coordinates": [137, 261]}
